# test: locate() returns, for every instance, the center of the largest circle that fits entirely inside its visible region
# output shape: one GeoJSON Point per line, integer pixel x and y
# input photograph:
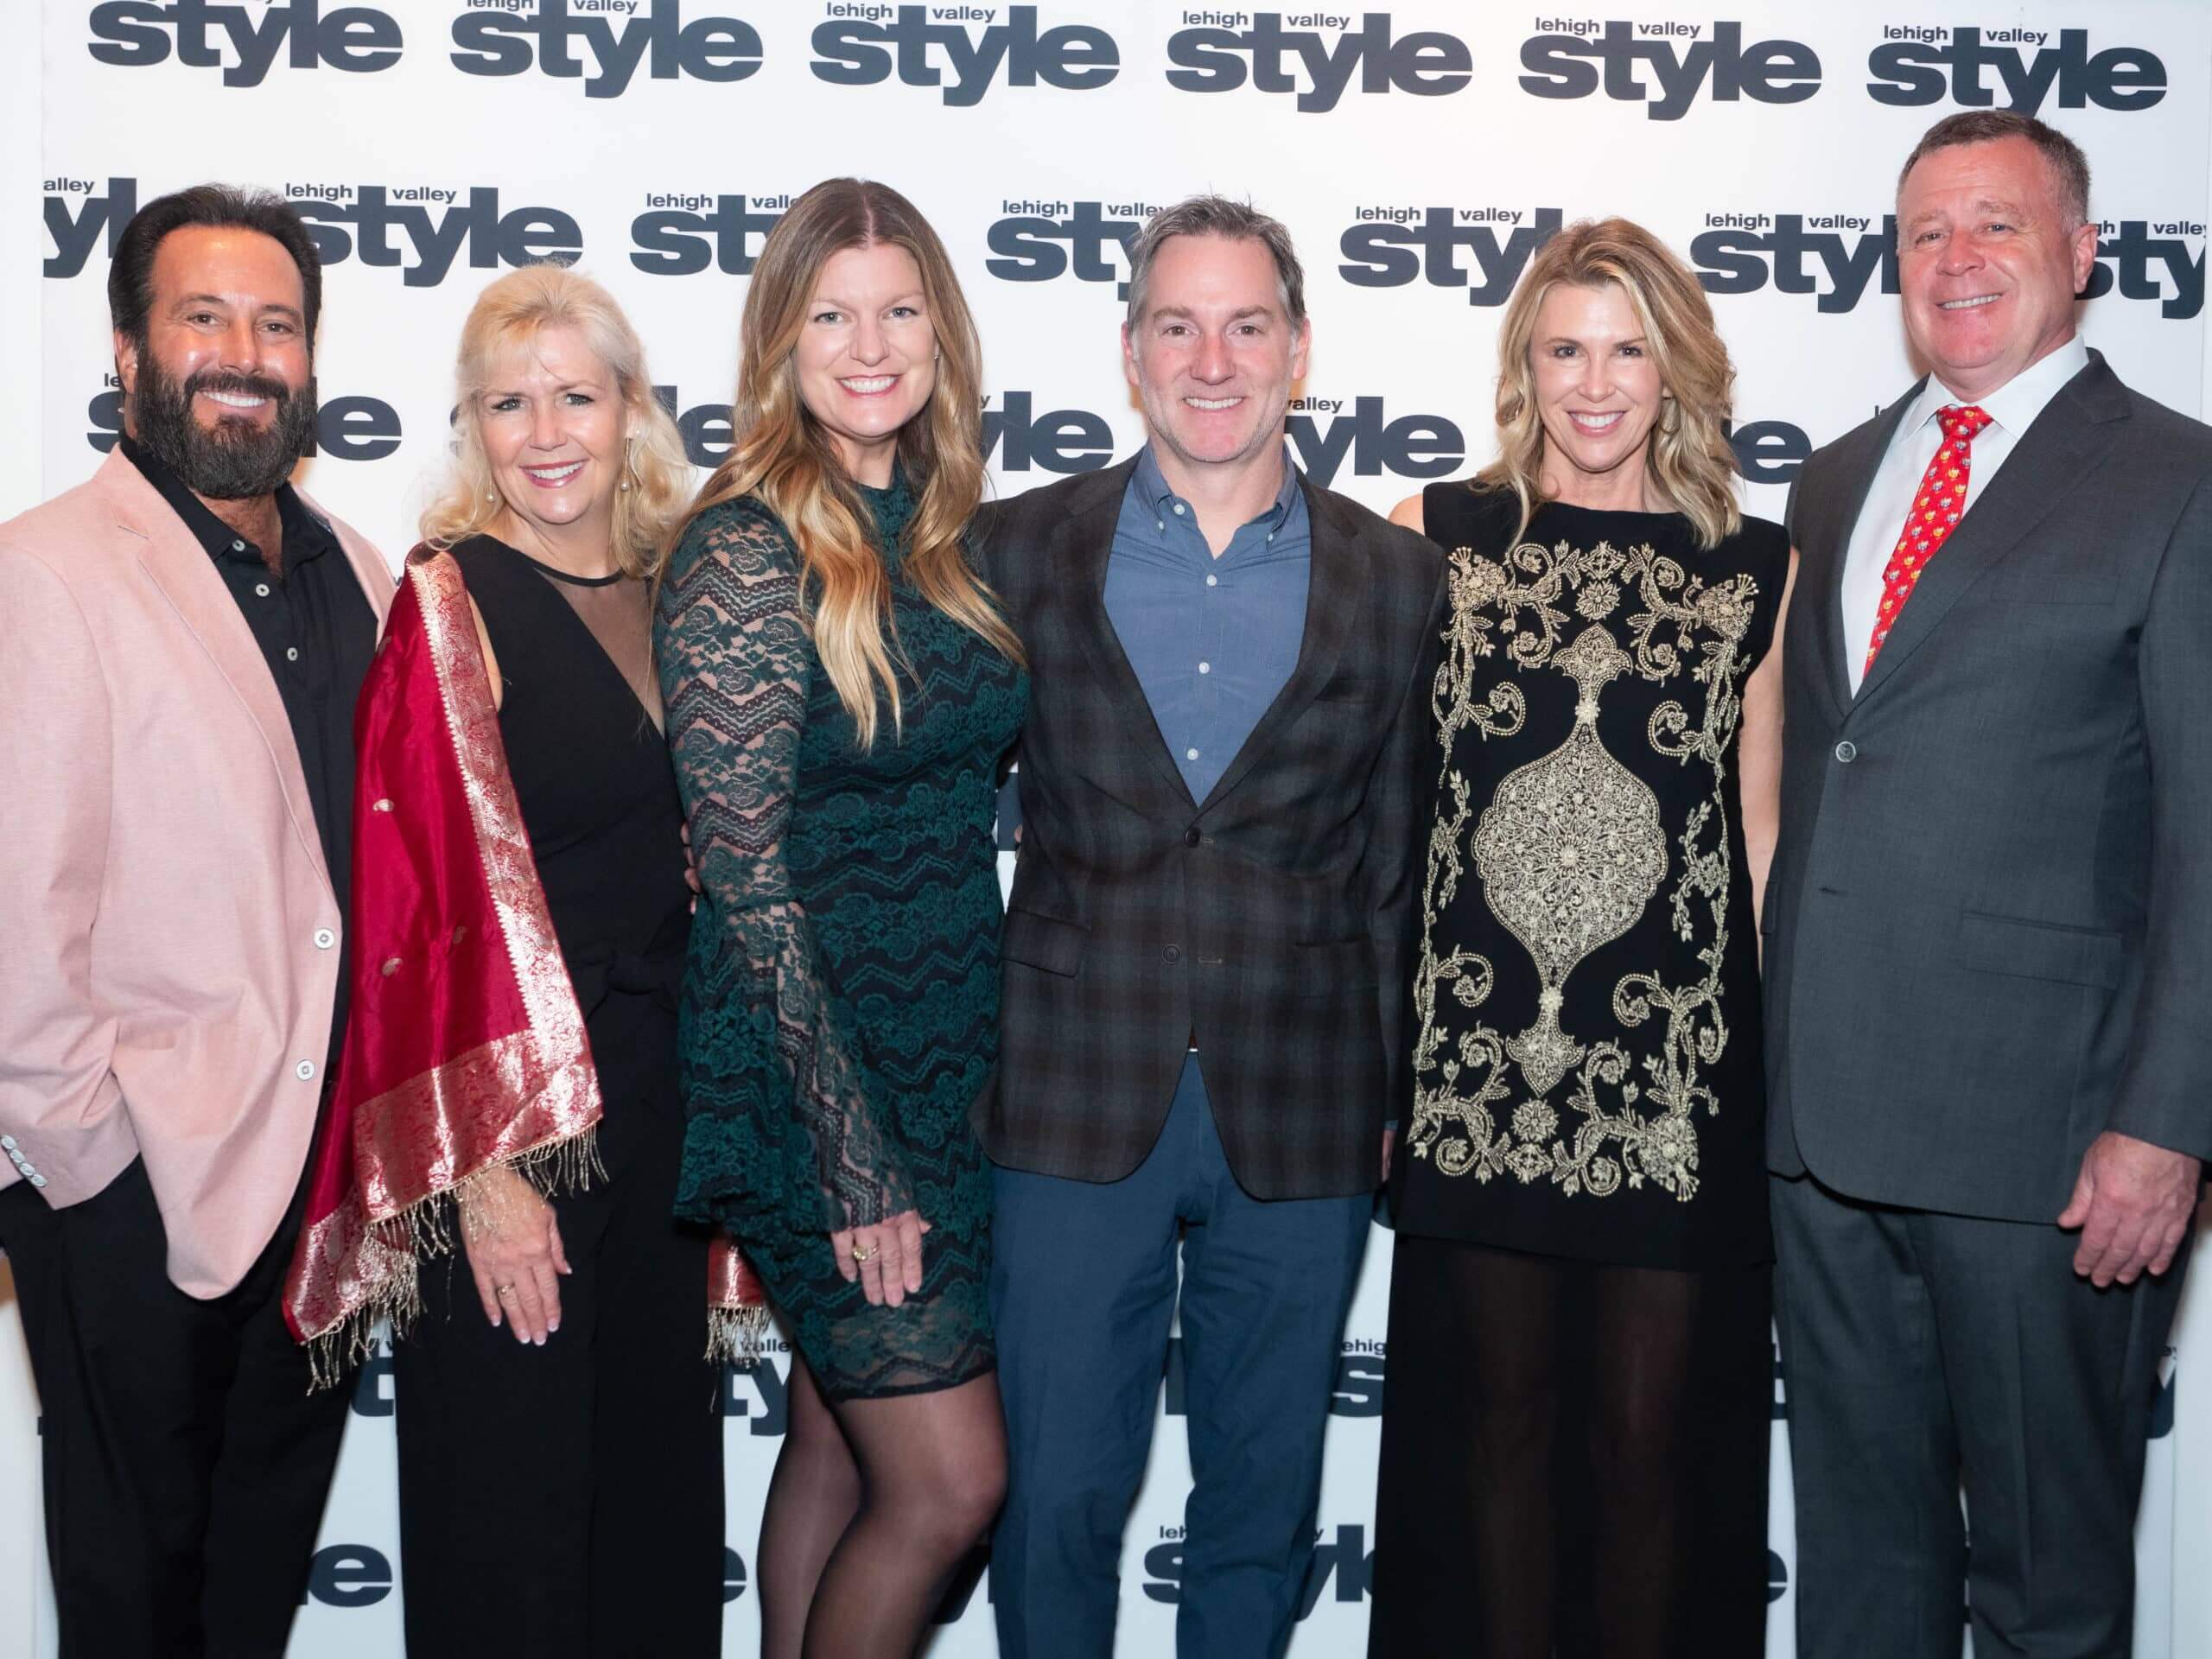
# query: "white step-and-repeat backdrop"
{"type": "Point", "coordinates": [1419, 153]}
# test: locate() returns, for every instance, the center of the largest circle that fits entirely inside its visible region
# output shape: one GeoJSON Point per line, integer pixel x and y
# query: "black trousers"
{"type": "Point", "coordinates": [185, 1462]}
{"type": "Point", "coordinates": [565, 1502]}
{"type": "Point", "coordinates": [1922, 1353]}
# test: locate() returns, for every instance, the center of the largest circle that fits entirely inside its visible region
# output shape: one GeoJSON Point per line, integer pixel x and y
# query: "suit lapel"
{"type": "Point", "coordinates": [2046, 467]}
{"type": "Point", "coordinates": [1334, 595]}
{"type": "Point", "coordinates": [180, 568]}
{"type": "Point", "coordinates": [1836, 518]}
{"type": "Point", "coordinates": [1086, 544]}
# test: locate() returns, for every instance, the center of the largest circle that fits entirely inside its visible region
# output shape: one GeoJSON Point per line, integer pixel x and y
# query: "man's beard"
{"type": "Point", "coordinates": [232, 460]}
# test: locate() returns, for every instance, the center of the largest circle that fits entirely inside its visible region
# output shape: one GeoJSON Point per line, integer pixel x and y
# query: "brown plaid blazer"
{"type": "Point", "coordinates": [1270, 922]}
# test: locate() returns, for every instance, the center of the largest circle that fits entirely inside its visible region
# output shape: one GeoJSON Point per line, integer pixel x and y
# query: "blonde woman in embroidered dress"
{"type": "Point", "coordinates": [560, 1456]}
{"type": "Point", "coordinates": [1579, 1367]}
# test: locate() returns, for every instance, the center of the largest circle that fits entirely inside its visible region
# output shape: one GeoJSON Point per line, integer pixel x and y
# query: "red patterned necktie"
{"type": "Point", "coordinates": [1935, 515]}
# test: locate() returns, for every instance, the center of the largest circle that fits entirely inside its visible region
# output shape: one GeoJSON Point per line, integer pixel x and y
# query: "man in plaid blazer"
{"type": "Point", "coordinates": [1205, 957]}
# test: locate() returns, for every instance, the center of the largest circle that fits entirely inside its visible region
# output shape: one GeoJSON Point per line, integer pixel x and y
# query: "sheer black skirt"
{"type": "Point", "coordinates": [1573, 1458]}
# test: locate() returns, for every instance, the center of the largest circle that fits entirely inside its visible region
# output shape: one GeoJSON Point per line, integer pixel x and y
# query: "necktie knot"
{"type": "Point", "coordinates": [1962, 422]}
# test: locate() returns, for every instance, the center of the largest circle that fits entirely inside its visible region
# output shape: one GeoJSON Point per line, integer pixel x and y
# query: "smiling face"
{"type": "Point", "coordinates": [220, 389]}
{"type": "Point", "coordinates": [1597, 393]}
{"type": "Point", "coordinates": [1988, 268]}
{"type": "Point", "coordinates": [554, 433]}
{"type": "Point", "coordinates": [866, 357]}
{"type": "Point", "coordinates": [1215, 354]}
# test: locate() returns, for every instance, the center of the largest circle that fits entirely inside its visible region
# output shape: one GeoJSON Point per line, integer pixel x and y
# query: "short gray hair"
{"type": "Point", "coordinates": [1237, 221]}
{"type": "Point", "coordinates": [2069, 168]}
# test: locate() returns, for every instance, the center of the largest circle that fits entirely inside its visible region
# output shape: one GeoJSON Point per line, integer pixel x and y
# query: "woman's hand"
{"type": "Point", "coordinates": [886, 1257]}
{"type": "Point", "coordinates": [513, 1245]}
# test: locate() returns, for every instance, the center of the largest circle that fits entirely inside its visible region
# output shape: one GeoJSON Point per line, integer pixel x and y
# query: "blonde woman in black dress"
{"type": "Point", "coordinates": [1579, 1366]}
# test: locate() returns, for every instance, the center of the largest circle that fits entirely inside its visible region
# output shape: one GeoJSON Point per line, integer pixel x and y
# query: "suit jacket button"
{"type": "Point", "coordinates": [1846, 750]}
{"type": "Point", "coordinates": [1191, 837]}
{"type": "Point", "coordinates": [1173, 953]}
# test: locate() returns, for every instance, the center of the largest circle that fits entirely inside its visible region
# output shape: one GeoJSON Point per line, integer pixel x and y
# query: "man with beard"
{"type": "Point", "coordinates": [180, 641]}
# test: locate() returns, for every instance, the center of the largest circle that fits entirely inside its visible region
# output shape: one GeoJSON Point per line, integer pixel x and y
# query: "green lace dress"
{"type": "Point", "coordinates": [840, 1008]}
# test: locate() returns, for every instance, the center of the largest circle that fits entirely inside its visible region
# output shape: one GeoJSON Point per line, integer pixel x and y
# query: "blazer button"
{"type": "Point", "coordinates": [304, 1070]}
{"type": "Point", "coordinates": [324, 938]}
{"type": "Point", "coordinates": [1191, 837]}
{"type": "Point", "coordinates": [1173, 953]}
{"type": "Point", "coordinates": [1846, 750]}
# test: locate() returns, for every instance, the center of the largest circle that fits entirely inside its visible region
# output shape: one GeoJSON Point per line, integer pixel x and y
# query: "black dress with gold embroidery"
{"type": "Point", "coordinates": [1588, 1079]}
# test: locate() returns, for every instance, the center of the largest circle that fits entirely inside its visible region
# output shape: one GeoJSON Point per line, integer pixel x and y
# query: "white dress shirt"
{"type": "Point", "coordinates": [2011, 409]}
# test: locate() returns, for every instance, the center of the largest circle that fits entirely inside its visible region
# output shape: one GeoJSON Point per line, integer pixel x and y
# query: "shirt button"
{"type": "Point", "coordinates": [304, 1070]}
{"type": "Point", "coordinates": [324, 938]}
{"type": "Point", "coordinates": [38, 1180]}
{"type": "Point", "coordinates": [1213, 582]}
{"type": "Point", "coordinates": [1190, 754]}
{"type": "Point", "coordinates": [1846, 751]}
{"type": "Point", "coordinates": [7, 1143]}
{"type": "Point", "coordinates": [237, 547]}
{"type": "Point", "coordinates": [291, 653]}
{"type": "Point", "coordinates": [1173, 953]}
{"type": "Point", "coordinates": [1180, 510]}
{"type": "Point", "coordinates": [261, 590]}
{"type": "Point", "coordinates": [1191, 837]}
{"type": "Point", "coordinates": [1205, 668]}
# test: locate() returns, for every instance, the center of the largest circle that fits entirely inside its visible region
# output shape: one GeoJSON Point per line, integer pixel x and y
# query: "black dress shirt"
{"type": "Point", "coordinates": [317, 632]}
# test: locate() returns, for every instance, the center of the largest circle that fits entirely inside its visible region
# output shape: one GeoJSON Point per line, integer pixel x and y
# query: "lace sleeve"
{"type": "Point", "coordinates": [736, 662]}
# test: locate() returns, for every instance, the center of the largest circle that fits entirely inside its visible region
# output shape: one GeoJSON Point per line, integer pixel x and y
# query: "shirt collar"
{"type": "Point", "coordinates": [2015, 405]}
{"type": "Point", "coordinates": [305, 536]}
{"type": "Point", "coordinates": [1151, 488]}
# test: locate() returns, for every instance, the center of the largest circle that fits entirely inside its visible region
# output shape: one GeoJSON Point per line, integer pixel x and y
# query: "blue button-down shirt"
{"type": "Point", "coordinates": [1212, 639]}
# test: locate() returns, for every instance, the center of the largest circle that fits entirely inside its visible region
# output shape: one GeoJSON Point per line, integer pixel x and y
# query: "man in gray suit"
{"type": "Point", "coordinates": [1989, 967]}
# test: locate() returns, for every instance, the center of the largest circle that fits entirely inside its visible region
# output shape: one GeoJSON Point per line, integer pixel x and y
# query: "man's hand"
{"type": "Point", "coordinates": [2132, 1202]}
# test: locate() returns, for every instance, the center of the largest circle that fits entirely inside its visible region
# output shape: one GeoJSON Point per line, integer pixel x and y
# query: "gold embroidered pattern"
{"type": "Point", "coordinates": [1571, 852]}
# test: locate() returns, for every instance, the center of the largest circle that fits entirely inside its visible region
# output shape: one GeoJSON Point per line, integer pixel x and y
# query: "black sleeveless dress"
{"type": "Point", "coordinates": [1587, 1070]}
{"type": "Point", "coordinates": [567, 1500]}
{"type": "Point", "coordinates": [1577, 1416]}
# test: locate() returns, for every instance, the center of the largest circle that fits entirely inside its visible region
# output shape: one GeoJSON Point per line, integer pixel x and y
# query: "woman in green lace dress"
{"type": "Point", "coordinates": [840, 690]}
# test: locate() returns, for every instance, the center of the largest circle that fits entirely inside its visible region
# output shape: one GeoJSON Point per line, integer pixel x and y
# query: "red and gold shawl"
{"type": "Point", "coordinates": [464, 1050]}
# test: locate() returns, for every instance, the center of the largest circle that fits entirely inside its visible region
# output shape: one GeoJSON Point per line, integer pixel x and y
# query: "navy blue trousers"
{"type": "Point", "coordinates": [1083, 1294]}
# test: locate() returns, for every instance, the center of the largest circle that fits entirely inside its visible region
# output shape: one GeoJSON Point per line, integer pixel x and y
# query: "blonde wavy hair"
{"type": "Point", "coordinates": [783, 458]}
{"type": "Point", "coordinates": [509, 315]}
{"type": "Point", "coordinates": [1689, 464]}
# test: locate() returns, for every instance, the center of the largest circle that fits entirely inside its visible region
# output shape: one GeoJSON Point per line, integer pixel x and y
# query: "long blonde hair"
{"type": "Point", "coordinates": [510, 313]}
{"type": "Point", "coordinates": [783, 457]}
{"type": "Point", "coordinates": [1691, 467]}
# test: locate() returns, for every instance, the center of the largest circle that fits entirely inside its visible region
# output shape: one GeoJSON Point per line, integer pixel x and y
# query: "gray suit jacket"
{"type": "Point", "coordinates": [1273, 919]}
{"type": "Point", "coordinates": [1990, 914]}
